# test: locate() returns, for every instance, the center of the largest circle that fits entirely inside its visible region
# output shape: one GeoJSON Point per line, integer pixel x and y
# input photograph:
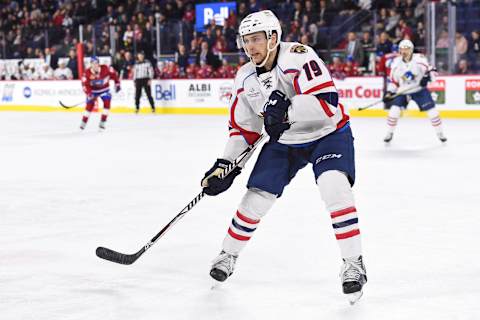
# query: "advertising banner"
{"type": "Point", "coordinates": [211, 96]}
{"type": "Point", "coordinates": [206, 12]}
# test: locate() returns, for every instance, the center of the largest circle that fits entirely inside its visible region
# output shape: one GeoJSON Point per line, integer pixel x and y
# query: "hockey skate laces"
{"type": "Point", "coordinates": [351, 271]}
{"type": "Point", "coordinates": [225, 260]}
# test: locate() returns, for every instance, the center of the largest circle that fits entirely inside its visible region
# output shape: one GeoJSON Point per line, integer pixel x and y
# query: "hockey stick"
{"type": "Point", "coordinates": [128, 259]}
{"type": "Point", "coordinates": [391, 98]}
{"type": "Point", "coordinates": [71, 106]}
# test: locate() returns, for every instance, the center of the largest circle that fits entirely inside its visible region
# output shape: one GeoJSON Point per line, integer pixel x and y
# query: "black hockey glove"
{"type": "Point", "coordinates": [388, 96]}
{"type": "Point", "coordinates": [211, 182]}
{"type": "Point", "coordinates": [425, 80]}
{"type": "Point", "coordinates": [275, 116]}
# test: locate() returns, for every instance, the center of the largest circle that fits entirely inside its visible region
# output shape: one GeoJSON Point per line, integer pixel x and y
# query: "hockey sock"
{"type": "Point", "coordinates": [254, 205]}
{"type": "Point", "coordinates": [435, 119]}
{"type": "Point", "coordinates": [87, 112]}
{"type": "Point", "coordinates": [338, 197]}
{"type": "Point", "coordinates": [392, 119]}
{"type": "Point", "coordinates": [106, 110]}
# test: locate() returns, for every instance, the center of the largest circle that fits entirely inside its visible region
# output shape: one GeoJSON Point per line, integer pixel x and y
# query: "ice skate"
{"type": "Point", "coordinates": [388, 137]}
{"type": "Point", "coordinates": [354, 276]}
{"type": "Point", "coordinates": [101, 126]}
{"type": "Point", "coordinates": [442, 137]}
{"type": "Point", "coordinates": [83, 125]}
{"type": "Point", "coordinates": [222, 266]}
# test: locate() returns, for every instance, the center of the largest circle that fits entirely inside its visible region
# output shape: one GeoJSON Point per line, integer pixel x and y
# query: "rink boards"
{"type": "Point", "coordinates": [456, 96]}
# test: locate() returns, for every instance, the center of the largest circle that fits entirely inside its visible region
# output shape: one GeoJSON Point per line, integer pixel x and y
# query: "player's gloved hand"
{"type": "Point", "coordinates": [425, 80]}
{"type": "Point", "coordinates": [275, 116]}
{"type": "Point", "coordinates": [211, 182]}
{"type": "Point", "coordinates": [388, 96]}
{"type": "Point", "coordinates": [118, 88]}
{"type": "Point", "coordinates": [90, 97]}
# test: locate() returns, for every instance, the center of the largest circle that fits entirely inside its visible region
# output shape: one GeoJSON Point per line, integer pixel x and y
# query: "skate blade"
{"type": "Point", "coordinates": [354, 297]}
{"type": "Point", "coordinates": [215, 284]}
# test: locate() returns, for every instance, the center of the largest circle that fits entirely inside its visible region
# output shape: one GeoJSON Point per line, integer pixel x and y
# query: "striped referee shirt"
{"type": "Point", "coordinates": [143, 70]}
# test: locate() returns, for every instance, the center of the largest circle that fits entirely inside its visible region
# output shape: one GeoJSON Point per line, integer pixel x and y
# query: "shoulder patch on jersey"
{"type": "Point", "coordinates": [298, 48]}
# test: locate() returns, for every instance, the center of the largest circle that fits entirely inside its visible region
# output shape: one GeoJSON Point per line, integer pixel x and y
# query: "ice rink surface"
{"type": "Point", "coordinates": [64, 192]}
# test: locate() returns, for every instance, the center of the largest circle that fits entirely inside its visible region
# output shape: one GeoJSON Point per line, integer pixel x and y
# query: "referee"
{"type": "Point", "coordinates": [142, 75]}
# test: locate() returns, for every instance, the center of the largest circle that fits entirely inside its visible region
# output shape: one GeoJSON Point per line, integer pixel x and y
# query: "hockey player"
{"type": "Point", "coordinates": [287, 89]}
{"type": "Point", "coordinates": [410, 73]}
{"type": "Point", "coordinates": [96, 83]}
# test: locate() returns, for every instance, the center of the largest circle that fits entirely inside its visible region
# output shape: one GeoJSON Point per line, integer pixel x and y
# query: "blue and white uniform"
{"type": "Point", "coordinates": [406, 76]}
{"type": "Point", "coordinates": [408, 79]}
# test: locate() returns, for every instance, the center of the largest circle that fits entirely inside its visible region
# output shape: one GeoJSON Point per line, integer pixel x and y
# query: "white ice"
{"type": "Point", "coordinates": [64, 192]}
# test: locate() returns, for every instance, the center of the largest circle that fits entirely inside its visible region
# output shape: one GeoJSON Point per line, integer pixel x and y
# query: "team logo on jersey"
{"type": "Point", "coordinates": [267, 83]}
{"type": "Point", "coordinates": [298, 48]}
{"type": "Point", "coordinates": [408, 76]}
{"type": "Point", "coordinates": [252, 93]}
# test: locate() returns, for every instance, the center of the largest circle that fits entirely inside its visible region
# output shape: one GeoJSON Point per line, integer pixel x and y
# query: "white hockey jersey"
{"type": "Point", "coordinates": [404, 75]}
{"type": "Point", "coordinates": [300, 74]}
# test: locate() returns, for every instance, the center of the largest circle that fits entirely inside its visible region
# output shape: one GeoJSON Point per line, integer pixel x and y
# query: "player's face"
{"type": "Point", "coordinates": [406, 53]}
{"type": "Point", "coordinates": [256, 46]}
{"type": "Point", "coordinates": [95, 67]}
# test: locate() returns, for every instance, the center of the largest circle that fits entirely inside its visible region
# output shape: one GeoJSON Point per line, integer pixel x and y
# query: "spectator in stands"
{"type": "Point", "coordinates": [324, 14]}
{"type": "Point", "coordinates": [462, 67]}
{"type": "Point", "coordinates": [62, 72]}
{"type": "Point", "coordinates": [367, 46]}
{"type": "Point", "coordinates": [420, 34]}
{"type": "Point", "coordinates": [27, 71]}
{"type": "Point", "coordinates": [461, 45]}
{"type": "Point", "coordinates": [204, 71]}
{"type": "Point", "coordinates": [207, 56]}
{"type": "Point", "coordinates": [309, 14]}
{"type": "Point", "coordinates": [297, 12]}
{"type": "Point", "coordinates": [209, 37]}
{"type": "Point", "coordinates": [242, 11]}
{"type": "Point", "coordinates": [191, 71]}
{"type": "Point", "coordinates": [384, 44]}
{"type": "Point", "coordinates": [226, 70]}
{"type": "Point", "coordinates": [128, 37]}
{"type": "Point", "coordinates": [404, 30]}
{"type": "Point", "coordinates": [382, 19]}
{"type": "Point", "coordinates": [409, 17]}
{"type": "Point", "coordinates": [72, 63]}
{"type": "Point", "coordinates": [242, 59]}
{"type": "Point", "coordinates": [220, 45]}
{"type": "Point", "coordinates": [350, 68]}
{"type": "Point", "coordinates": [160, 69]}
{"type": "Point", "coordinates": [392, 21]}
{"type": "Point", "coordinates": [337, 68]}
{"type": "Point", "coordinates": [442, 42]}
{"type": "Point", "coordinates": [354, 48]}
{"type": "Point", "coordinates": [474, 46]}
{"type": "Point", "coordinates": [171, 71]}
{"type": "Point", "coordinates": [44, 72]}
{"type": "Point", "coordinates": [126, 68]}
{"type": "Point", "coordinates": [181, 58]}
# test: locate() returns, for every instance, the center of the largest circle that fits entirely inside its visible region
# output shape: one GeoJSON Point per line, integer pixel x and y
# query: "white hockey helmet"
{"type": "Point", "coordinates": [265, 21]}
{"type": "Point", "coordinates": [406, 44]}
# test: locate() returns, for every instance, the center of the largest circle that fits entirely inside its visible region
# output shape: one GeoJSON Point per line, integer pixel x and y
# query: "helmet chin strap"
{"type": "Point", "coordinates": [269, 50]}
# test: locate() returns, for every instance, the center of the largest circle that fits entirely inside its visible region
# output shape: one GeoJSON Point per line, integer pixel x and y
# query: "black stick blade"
{"type": "Point", "coordinates": [115, 256]}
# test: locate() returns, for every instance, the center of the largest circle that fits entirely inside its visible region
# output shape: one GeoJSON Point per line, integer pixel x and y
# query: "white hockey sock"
{"type": "Point", "coordinates": [435, 119]}
{"type": "Point", "coordinates": [338, 197]}
{"type": "Point", "coordinates": [254, 205]}
{"type": "Point", "coordinates": [392, 118]}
